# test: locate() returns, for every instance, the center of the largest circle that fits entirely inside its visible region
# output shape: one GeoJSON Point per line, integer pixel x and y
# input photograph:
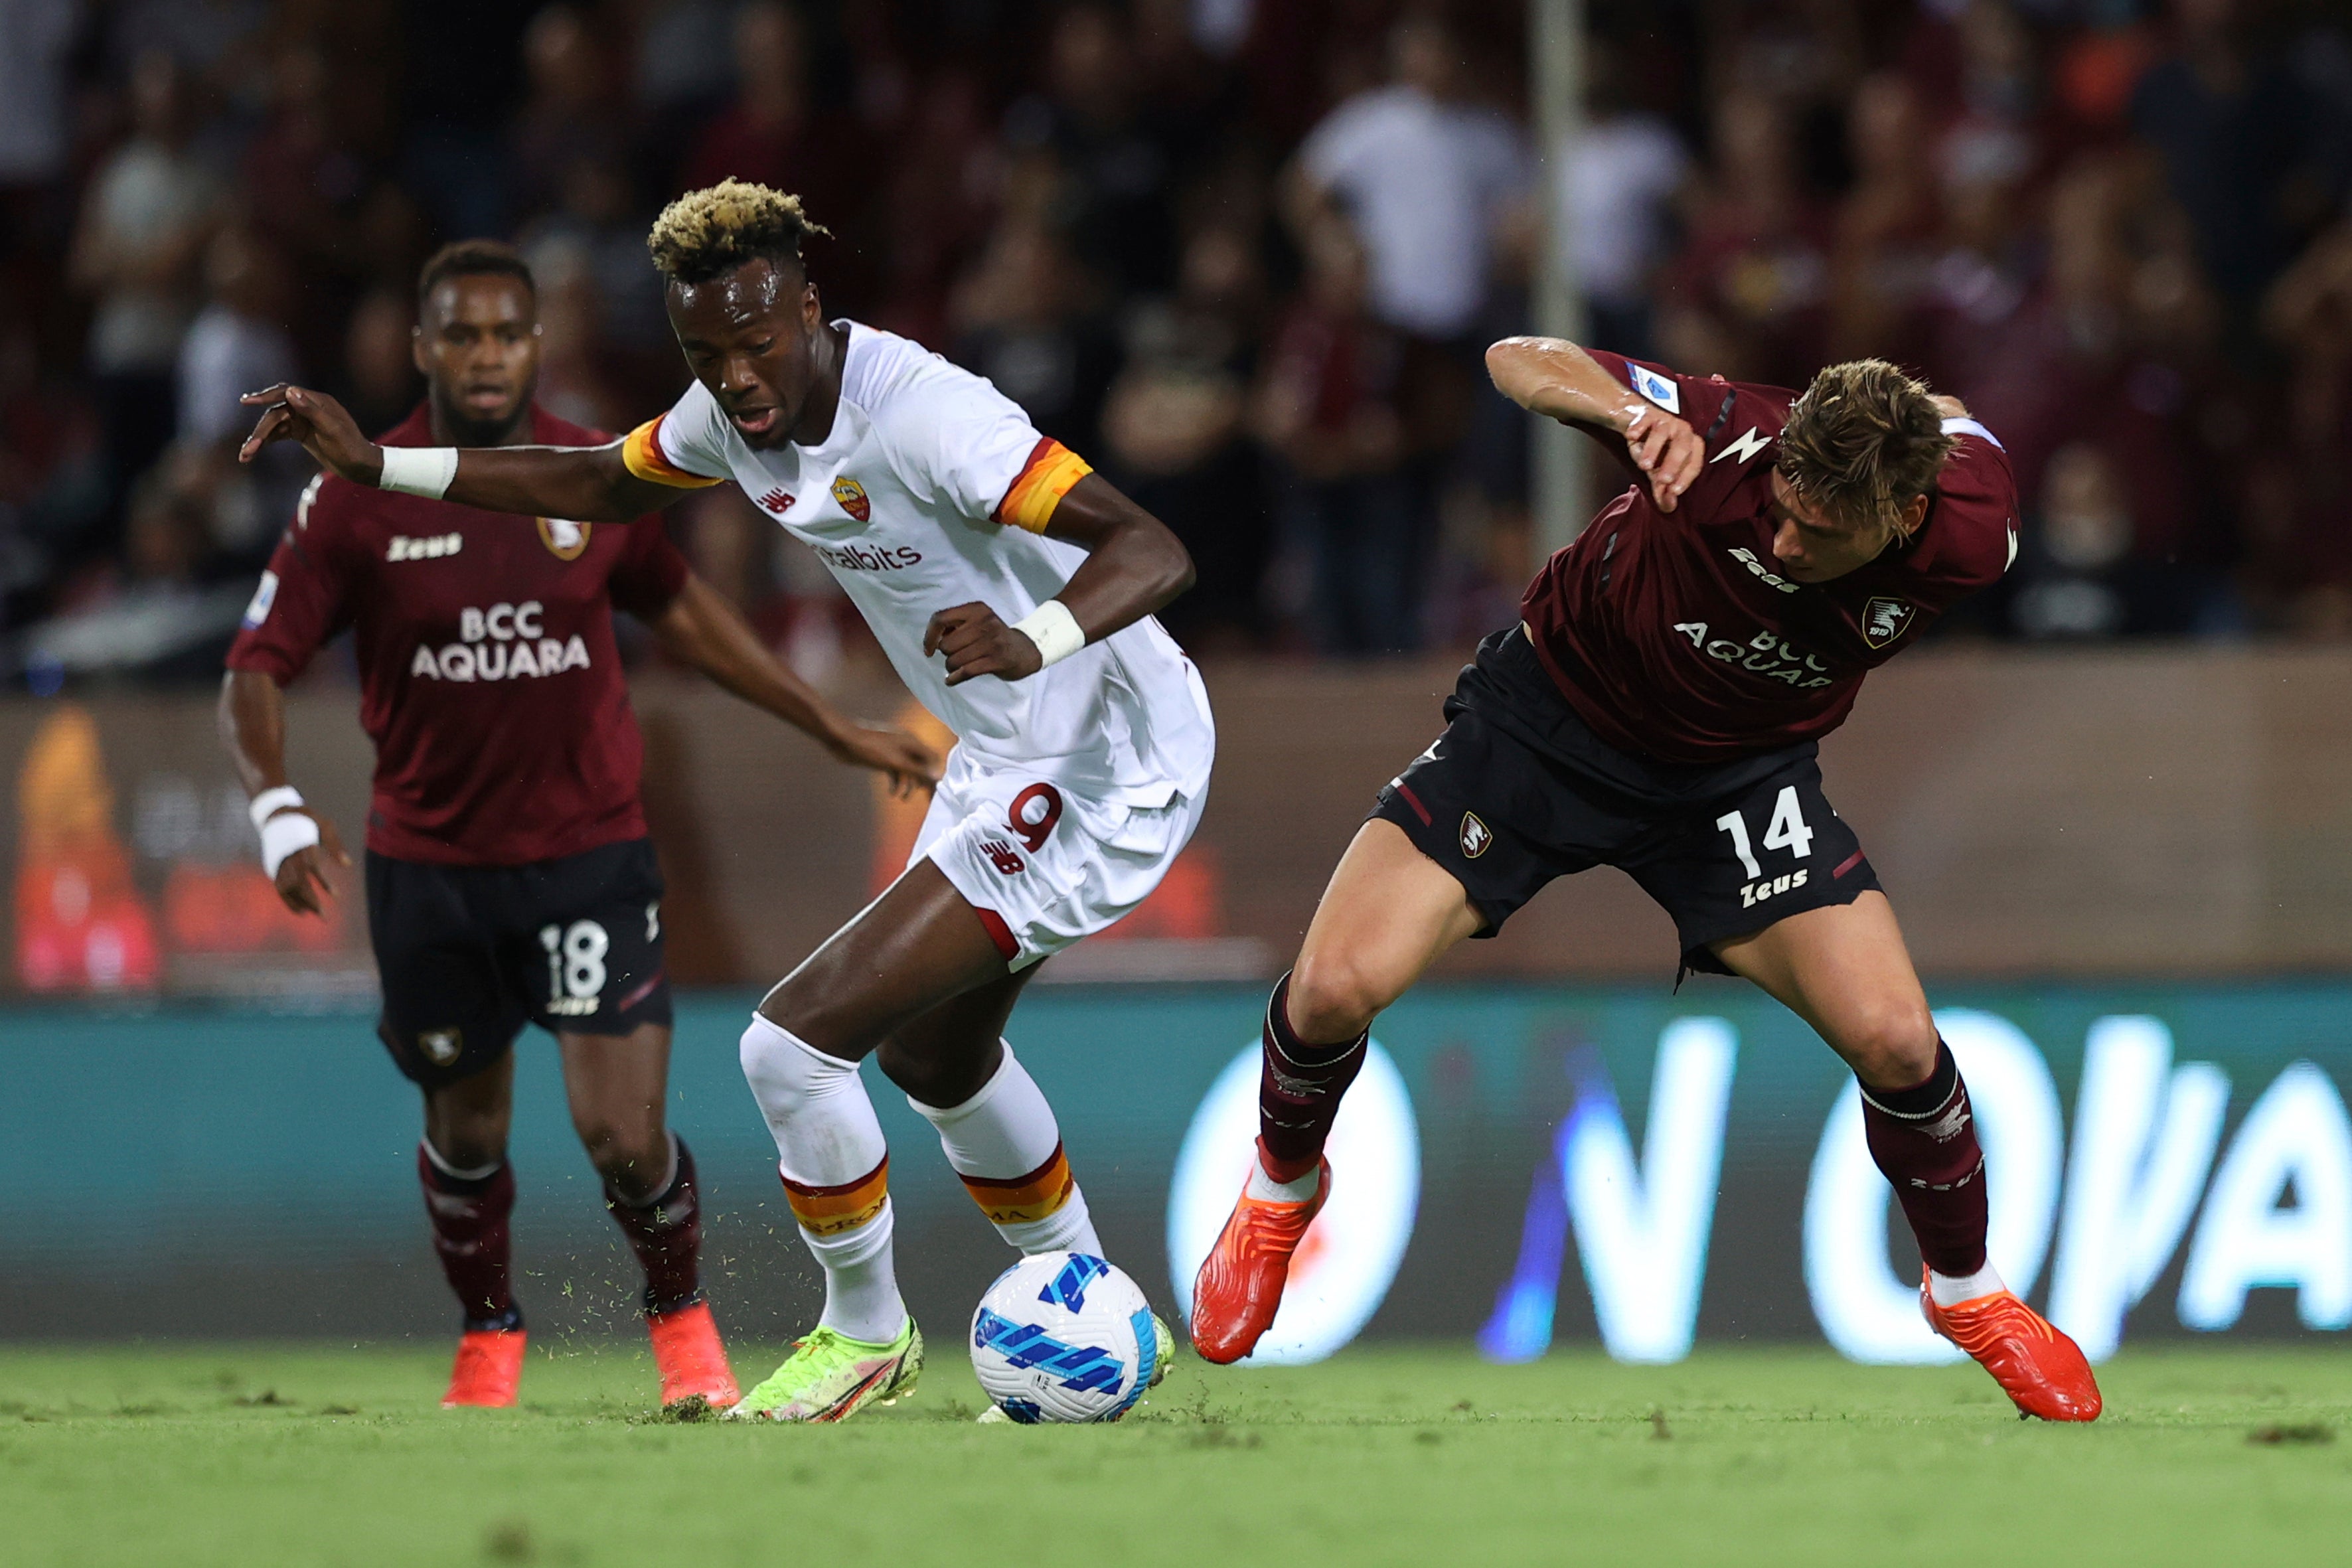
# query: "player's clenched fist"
{"type": "Point", "coordinates": [975, 642]}
{"type": "Point", "coordinates": [325, 429]}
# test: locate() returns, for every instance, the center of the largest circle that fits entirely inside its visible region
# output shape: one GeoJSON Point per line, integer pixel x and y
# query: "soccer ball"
{"type": "Point", "coordinates": [1064, 1336]}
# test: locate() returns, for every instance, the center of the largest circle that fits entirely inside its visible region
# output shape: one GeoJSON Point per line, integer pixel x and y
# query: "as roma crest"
{"type": "Point", "coordinates": [1884, 620]}
{"type": "Point", "coordinates": [852, 497]}
{"type": "Point", "coordinates": [564, 539]}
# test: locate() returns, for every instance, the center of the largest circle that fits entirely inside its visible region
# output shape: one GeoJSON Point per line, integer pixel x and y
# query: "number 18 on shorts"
{"type": "Point", "coordinates": [468, 954]}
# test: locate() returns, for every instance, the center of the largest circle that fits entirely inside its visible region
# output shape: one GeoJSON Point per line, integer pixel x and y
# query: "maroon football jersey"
{"type": "Point", "coordinates": [1673, 635]}
{"type": "Point", "coordinates": [488, 678]}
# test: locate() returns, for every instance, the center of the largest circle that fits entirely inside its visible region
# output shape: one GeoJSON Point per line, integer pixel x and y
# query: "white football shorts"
{"type": "Point", "coordinates": [1043, 865]}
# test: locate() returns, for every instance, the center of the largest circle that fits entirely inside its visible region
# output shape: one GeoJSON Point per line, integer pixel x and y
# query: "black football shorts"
{"type": "Point", "coordinates": [1518, 791]}
{"type": "Point", "coordinates": [468, 954]}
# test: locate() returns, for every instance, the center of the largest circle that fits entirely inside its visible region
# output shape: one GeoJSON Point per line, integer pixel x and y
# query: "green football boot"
{"type": "Point", "coordinates": [831, 1377]}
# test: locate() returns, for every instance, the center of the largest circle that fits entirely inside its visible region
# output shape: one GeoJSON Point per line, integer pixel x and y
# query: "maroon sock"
{"type": "Point", "coordinates": [1924, 1139]}
{"type": "Point", "coordinates": [1298, 1090]}
{"type": "Point", "coordinates": [666, 1233]}
{"type": "Point", "coordinates": [470, 1233]}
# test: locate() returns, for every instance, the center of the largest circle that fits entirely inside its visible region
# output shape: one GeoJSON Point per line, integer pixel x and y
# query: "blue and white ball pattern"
{"type": "Point", "coordinates": [1064, 1336]}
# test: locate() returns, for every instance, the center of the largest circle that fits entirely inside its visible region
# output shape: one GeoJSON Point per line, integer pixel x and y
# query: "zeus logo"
{"type": "Point", "coordinates": [1744, 449]}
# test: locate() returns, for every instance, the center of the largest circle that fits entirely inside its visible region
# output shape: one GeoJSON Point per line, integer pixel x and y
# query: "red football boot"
{"type": "Point", "coordinates": [693, 1363]}
{"type": "Point", "coordinates": [488, 1369]}
{"type": "Point", "coordinates": [1239, 1287]}
{"type": "Point", "coordinates": [2041, 1370]}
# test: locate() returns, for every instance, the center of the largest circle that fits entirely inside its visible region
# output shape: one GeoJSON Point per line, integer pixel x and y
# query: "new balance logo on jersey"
{"type": "Point", "coordinates": [1000, 856]}
{"type": "Point", "coordinates": [778, 501]}
{"type": "Point", "coordinates": [1883, 621]}
{"type": "Point", "coordinates": [1744, 449]}
{"type": "Point", "coordinates": [403, 548]}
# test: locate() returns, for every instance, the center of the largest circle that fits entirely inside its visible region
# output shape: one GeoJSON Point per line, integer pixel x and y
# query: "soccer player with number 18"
{"type": "Point", "coordinates": [509, 879]}
{"type": "Point", "coordinates": [1658, 709]}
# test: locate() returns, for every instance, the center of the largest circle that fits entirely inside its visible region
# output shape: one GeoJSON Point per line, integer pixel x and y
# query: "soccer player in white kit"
{"type": "Point", "coordinates": [1013, 589]}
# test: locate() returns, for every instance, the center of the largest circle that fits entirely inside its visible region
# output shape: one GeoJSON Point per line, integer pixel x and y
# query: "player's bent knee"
{"type": "Point", "coordinates": [1890, 1048]}
{"type": "Point", "coordinates": [774, 1066]}
{"type": "Point", "coordinates": [1334, 996]}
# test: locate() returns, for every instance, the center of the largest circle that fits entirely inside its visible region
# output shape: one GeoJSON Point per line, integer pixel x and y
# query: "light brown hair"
{"type": "Point", "coordinates": [709, 233]}
{"type": "Point", "coordinates": [1863, 442]}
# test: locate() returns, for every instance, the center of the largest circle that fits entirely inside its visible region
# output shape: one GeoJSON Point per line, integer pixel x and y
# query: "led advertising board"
{"type": "Point", "coordinates": [1530, 1166]}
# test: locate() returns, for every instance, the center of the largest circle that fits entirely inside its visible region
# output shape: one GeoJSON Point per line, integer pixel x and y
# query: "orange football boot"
{"type": "Point", "coordinates": [488, 1369]}
{"type": "Point", "coordinates": [1239, 1287]}
{"type": "Point", "coordinates": [693, 1363]}
{"type": "Point", "coordinates": [2041, 1370]}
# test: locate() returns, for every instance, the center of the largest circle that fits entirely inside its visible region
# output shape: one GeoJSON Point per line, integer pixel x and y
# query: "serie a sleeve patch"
{"type": "Point", "coordinates": [1659, 389]}
{"type": "Point", "coordinates": [641, 454]}
{"type": "Point", "coordinates": [1043, 480]}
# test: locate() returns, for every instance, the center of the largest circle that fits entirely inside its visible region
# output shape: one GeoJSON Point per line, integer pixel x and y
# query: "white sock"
{"type": "Point", "coordinates": [836, 1173]}
{"type": "Point", "coordinates": [1951, 1289]}
{"type": "Point", "coordinates": [1005, 1144]}
{"type": "Point", "coordinates": [861, 1280]}
{"type": "Point", "coordinates": [1266, 1190]}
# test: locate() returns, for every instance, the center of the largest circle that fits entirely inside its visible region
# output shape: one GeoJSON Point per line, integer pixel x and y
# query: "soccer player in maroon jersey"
{"type": "Point", "coordinates": [509, 878]}
{"type": "Point", "coordinates": [1658, 709]}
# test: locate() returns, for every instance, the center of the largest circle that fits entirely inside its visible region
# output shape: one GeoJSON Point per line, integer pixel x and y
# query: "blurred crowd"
{"type": "Point", "coordinates": [1242, 254]}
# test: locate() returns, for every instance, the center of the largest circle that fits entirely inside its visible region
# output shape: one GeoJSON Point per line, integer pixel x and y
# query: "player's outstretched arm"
{"type": "Point", "coordinates": [586, 484]}
{"type": "Point", "coordinates": [1553, 377]}
{"type": "Point", "coordinates": [1134, 566]}
{"type": "Point", "coordinates": [700, 627]}
{"type": "Point", "coordinates": [297, 841]}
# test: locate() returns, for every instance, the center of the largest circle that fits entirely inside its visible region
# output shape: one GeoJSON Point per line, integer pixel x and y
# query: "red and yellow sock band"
{"type": "Point", "coordinates": [641, 454]}
{"type": "Point", "coordinates": [1038, 489]}
{"type": "Point", "coordinates": [1024, 1200]}
{"type": "Point", "coordinates": [829, 1211]}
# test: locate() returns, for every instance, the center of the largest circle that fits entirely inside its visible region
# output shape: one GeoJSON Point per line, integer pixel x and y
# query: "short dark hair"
{"type": "Point", "coordinates": [1864, 442]}
{"type": "Point", "coordinates": [709, 233]}
{"type": "Point", "coordinates": [473, 258]}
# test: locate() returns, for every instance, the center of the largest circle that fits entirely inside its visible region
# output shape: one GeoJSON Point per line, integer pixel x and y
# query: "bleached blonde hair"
{"type": "Point", "coordinates": [709, 233]}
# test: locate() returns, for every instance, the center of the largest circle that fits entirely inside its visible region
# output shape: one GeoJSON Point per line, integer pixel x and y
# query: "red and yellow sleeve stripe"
{"type": "Point", "coordinates": [641, 454]}
{"type": "Point", "coordinates": [1023, 1199]}
{"type": "Point", "coordinates": [829, 1211]}
{"type": "Point", "coordinates": [1043, 480]}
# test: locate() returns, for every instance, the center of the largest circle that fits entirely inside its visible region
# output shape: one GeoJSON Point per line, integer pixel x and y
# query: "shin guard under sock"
{"type": "Point", "coordinates": [666, 1233]}
{"type": "Point", "coordinates": [469, 1215]}
{"type": "Point", "coordinates": [1005, 1144]}
{"type": "Point", "coordinates": [836, 1175]}
{"type": "Point", "coordinates": [1924, 1140]}
{"type": "Point", "coordinates": [1299, 1091]}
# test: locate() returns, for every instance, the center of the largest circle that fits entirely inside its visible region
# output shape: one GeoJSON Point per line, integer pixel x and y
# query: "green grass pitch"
{"type": "Point", "coordinates": [260, 1456]}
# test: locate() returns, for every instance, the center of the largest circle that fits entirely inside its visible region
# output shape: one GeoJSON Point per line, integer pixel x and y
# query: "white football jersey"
{"type": "Point", "coordinates": [932, 490]}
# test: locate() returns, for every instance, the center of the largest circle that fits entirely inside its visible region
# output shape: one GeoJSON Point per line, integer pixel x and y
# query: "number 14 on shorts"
{"type": "Point", "coordinates": [1786, 830]}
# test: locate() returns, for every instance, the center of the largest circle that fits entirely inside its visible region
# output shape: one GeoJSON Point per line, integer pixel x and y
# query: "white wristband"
{"type": "Point", "coordinates": [418, 470]}
{"type": "Point", "coordinates": [283, 835]}
{"type": "Point", "coordinates": [270, 801]}
{"type": "Point", "coordinates": [1055, 631]}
